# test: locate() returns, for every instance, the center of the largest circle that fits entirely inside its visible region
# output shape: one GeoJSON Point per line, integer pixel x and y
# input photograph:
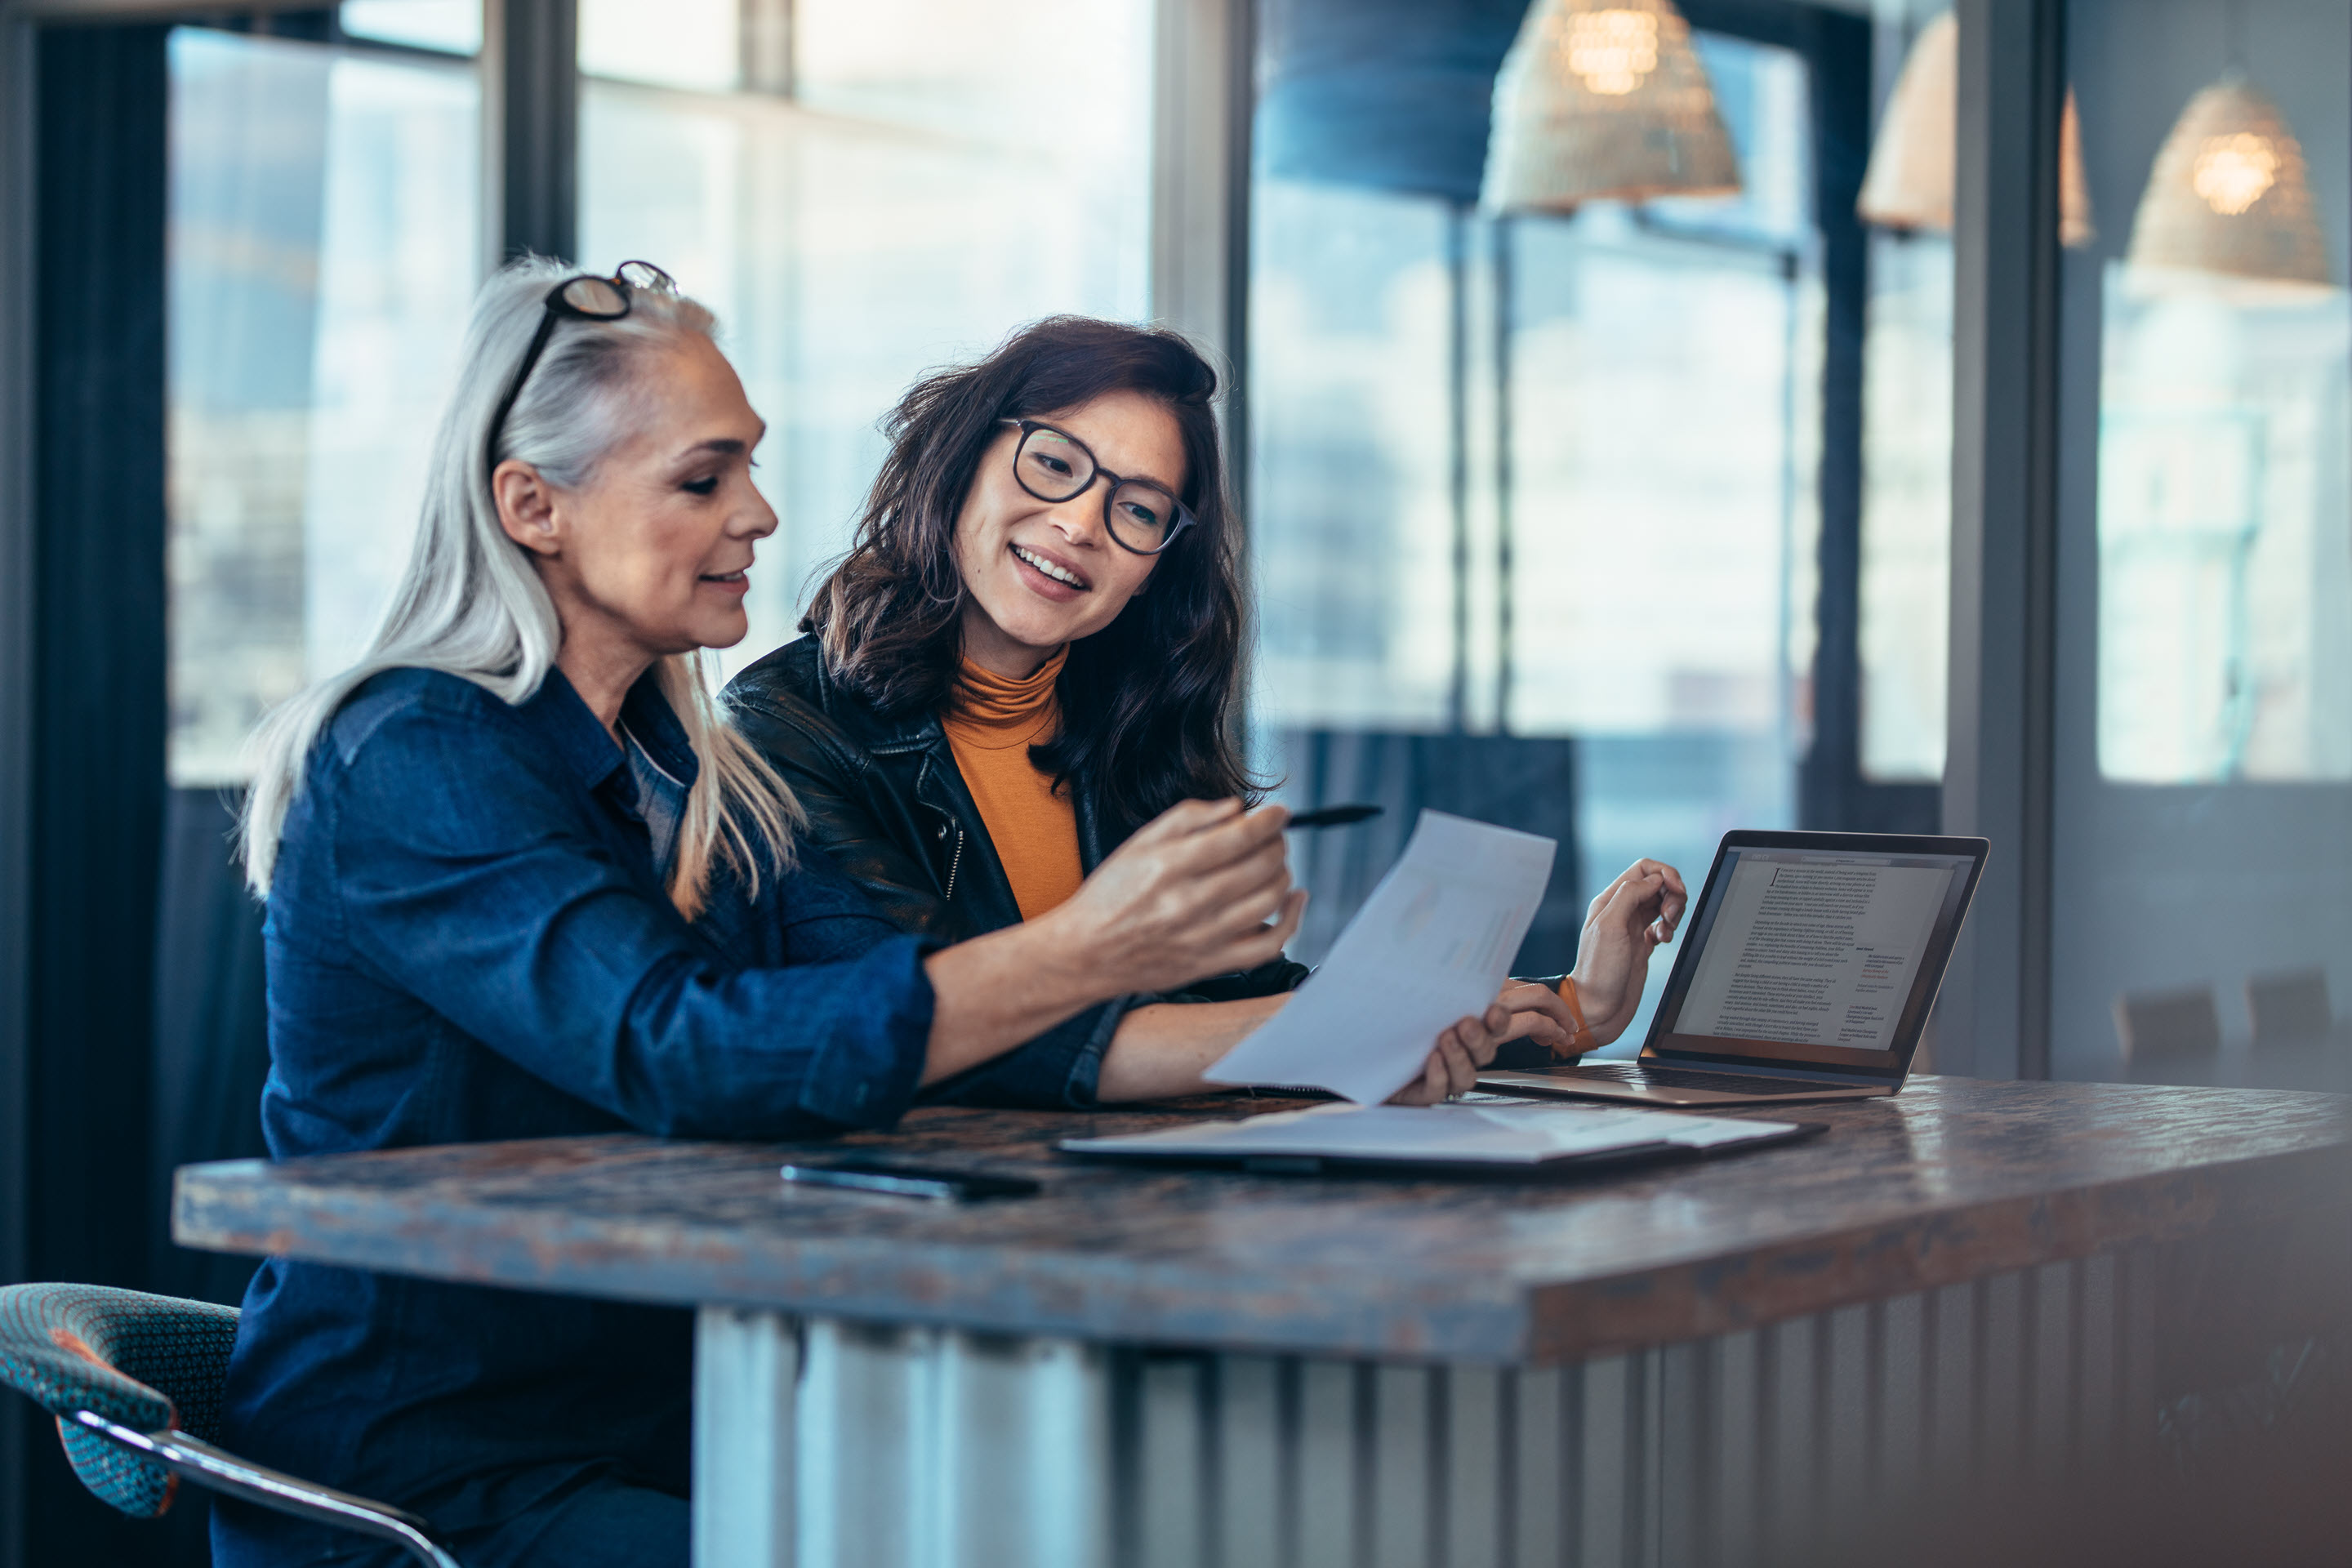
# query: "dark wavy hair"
{"type": "Point", "coordinates": [1147, 702]}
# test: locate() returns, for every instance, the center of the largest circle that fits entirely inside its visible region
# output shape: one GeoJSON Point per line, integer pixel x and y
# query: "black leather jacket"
{"type": "Point", "coordinates": [885, 799]}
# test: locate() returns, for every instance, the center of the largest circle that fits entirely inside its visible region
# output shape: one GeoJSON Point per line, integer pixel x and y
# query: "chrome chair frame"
{"type": "Point", "coordinates": [215, 1470]}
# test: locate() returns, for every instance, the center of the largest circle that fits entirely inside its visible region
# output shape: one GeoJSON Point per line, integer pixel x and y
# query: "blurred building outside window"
{"type": "Point", "coordinates": [887, 187]}
{"type": "Point", "coordinates": [2225, 560]}
{"type": "Point", "coordinates": [444, 26]}
{"type": "Point", "coordinates": [323, 229]}
{"type": "Point", "coordinates": [1906, 386]}
{"type": "Point", "coordinates": [1907, 507]}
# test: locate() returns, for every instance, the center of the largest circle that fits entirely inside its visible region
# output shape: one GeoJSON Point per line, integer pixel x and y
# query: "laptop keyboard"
{"type": "Point", "coordinates": [1695, 1078]}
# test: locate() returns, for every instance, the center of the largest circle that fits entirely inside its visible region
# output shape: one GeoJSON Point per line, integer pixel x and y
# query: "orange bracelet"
{"type": "Point", "coordinates": [1581, 1041]}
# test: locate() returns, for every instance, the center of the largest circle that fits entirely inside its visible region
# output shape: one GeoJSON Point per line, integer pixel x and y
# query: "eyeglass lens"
{"type": "Point", "coordinates": [1052, 467]}
{"type": "Point", "coordinates": [596, 297]}
{"type": "Point", "coordinates": [646, 275]}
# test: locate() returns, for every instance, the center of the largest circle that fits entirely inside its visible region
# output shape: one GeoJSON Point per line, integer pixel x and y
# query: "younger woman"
{"type": "Point", "coordinates": [1032, 647]}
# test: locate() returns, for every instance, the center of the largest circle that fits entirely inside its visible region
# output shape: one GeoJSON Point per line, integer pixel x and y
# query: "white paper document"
{"type": "Point", "coordinates": [1469, 1135]}
{"type": "Point", "coordinates": [1432, 945]}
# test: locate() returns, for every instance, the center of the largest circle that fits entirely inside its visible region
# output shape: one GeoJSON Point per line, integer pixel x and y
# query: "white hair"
{"type": "Point", "coordinates": [471, 603]}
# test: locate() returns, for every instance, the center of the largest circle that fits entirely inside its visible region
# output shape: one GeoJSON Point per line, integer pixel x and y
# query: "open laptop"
{"type": "Point", "coordinates": [1806, 971]}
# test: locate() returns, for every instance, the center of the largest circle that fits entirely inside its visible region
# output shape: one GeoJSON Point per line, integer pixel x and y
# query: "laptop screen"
{"type": "Point", "coordinates": [1824, 952]}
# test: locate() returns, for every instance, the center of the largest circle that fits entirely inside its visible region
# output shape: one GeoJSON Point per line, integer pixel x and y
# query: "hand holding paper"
{"type": "Point", "coordinates": [1433, 945]}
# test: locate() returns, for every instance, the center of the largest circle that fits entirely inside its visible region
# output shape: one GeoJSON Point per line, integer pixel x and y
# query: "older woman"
{"type": "Point", "coordinates": [1034, 647]}
{"type": "Point", "coordinates": [524, 880]}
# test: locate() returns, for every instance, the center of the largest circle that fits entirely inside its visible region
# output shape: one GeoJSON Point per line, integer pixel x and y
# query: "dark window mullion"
{"type": "Point", "coordinates": [97, 698]}
{"type": "Point", "coordinates": [1994, 1020]}
{"type": "Point", "coordinates": [530, 127]}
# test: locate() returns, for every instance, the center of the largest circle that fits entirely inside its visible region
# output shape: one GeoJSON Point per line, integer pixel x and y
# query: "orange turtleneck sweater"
{"type": "Point", "coordinates": [990, 729]}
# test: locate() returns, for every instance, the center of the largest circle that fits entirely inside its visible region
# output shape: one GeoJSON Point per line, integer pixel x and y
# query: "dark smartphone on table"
{"type": "Point", "coordinates": [865, 1173]}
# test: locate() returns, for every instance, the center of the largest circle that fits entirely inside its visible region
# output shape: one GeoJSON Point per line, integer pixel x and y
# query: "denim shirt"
{"type": "Point", "coordinates": [468, 939]}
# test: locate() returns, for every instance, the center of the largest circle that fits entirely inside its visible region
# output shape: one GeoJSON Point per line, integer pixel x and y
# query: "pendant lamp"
{"type": "Point", "coordinates": [2228, 199]}
{"type": "Point", "coordinates": [1603, 99]}
{"type": "Point", "coordinates": [1914, 164]}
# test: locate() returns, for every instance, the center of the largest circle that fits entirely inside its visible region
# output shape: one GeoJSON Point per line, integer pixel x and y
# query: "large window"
{"type": "Point", "coordinates": [2204, 823]}
{"type": "Point", "coordinates": [892, 185]}
{"type": "Point", "coordinates": [1537, 488]}
{"type": "Point", "coordinates": [874, 190]}
{"type": "Point", "coordinates": [323, 247]}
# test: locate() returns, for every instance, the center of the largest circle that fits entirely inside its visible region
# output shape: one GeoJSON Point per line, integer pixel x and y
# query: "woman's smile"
{"type": "Point", "coordinates": [1047, 574]}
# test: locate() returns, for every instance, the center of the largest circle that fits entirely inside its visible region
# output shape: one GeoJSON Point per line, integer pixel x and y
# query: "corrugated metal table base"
{"type": "Point", "coordinates": [822, 1444]}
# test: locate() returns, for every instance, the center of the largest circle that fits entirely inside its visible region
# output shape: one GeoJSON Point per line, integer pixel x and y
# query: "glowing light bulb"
{"type": "Point", "coordinates": [2232, 171]}
{"type": "Point", "coordinates": [1613, 50]}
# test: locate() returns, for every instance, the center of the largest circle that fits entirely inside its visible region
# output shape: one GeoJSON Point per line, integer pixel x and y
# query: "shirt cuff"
{"type": "Point", "coordinates": [869, 1070]}
{"type": "Point", "coordinates": [1061, 1069]}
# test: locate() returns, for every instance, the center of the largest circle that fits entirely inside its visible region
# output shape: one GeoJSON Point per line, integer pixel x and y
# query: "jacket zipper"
{"type": "Point", "coordinates": [952, 865]}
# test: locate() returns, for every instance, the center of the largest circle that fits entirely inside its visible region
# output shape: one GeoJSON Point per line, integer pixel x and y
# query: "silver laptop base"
{"type": "Point", "coordinates": [1570, 1083]}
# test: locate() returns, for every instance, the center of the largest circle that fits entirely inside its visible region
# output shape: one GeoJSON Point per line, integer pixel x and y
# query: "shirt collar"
{"type": "Point", "coordinates": [586, 747]}
{"type": "Point", "coordinates": [647, 716]}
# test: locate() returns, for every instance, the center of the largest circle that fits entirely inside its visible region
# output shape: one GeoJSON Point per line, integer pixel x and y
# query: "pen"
{"type": "Point", "coordinates": [1334, 816]}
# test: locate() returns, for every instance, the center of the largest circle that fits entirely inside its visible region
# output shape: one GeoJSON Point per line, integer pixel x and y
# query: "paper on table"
{"type": "Point", "coordinates": [1499, 1134]}
{"type": "Point", "coordinates": [1433, 945]}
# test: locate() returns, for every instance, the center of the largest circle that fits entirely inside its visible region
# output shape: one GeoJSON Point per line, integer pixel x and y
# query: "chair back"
{"type": "Point", "coordinates": [147, 1362]}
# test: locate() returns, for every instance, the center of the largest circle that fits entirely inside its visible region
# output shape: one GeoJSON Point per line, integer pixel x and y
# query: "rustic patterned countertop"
{"type": "Point", "coordinates": [1953, 1179]}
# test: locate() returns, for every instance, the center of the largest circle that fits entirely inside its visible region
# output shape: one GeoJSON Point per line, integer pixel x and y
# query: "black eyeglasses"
{"type": "Point", "coordinates": [1055, 465]}
{"type": "Point", "coordinates": [587, 298]}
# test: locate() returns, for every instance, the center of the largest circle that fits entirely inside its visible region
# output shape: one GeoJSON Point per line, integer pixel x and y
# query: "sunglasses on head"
{"type": "Point", "coordinates": [586, 297]}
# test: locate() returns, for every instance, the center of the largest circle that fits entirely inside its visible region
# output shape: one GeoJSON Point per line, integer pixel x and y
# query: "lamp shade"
{"type": "Point", "coordinates": [1915, 160]}
{"type": "Point", "coordinates": [2229, 197]}
{"type": "Point", "coordinates": [1603, 99]}
{"type": "Point", "coordinates": [1914, 163]}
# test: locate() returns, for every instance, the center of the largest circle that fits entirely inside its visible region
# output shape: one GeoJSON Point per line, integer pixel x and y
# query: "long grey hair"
{"type": "Point", "coordinates": [471, 604]}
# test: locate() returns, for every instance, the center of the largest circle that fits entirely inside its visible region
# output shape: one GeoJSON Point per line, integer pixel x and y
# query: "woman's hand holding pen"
{"type": "Point", "coordinates": [1203, 889]}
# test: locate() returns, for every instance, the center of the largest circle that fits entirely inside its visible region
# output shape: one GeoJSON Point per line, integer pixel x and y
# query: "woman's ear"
{"type": "Point", "coordinates": [526, 505]}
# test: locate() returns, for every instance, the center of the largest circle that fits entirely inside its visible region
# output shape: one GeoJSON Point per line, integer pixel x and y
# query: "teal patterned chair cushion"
{"type": "Point", "coordinates": [144, 1361]}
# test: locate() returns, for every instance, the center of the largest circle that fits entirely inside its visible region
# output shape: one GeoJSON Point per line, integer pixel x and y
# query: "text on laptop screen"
{"type": "Point", "coordinates": [1817, 949]}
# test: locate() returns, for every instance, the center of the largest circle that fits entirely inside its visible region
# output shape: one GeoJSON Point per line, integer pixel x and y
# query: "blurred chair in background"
{"type": "Point", "coordinates": [2168, 1027]}
{"type": "Point", "coordinates": [2290, 1008]}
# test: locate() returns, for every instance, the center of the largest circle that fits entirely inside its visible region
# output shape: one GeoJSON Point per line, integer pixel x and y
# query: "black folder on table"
{"type": "Point", "coordinates": [1483, 1137]}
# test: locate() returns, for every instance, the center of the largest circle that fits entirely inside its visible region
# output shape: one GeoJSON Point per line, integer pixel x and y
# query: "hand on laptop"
{"type": "Point", "coordinates": [1631, 918]}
